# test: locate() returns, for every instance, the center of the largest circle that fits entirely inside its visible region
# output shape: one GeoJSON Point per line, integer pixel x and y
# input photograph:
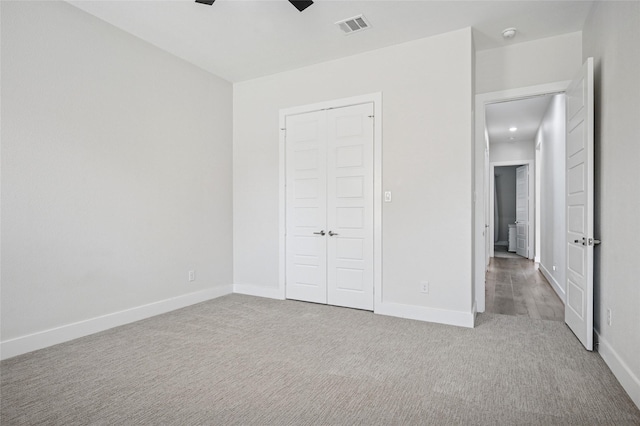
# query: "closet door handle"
{"type": "Point", "coordinates": [331, 233]}
{"type": "Point", "coordinates": [319, 233]}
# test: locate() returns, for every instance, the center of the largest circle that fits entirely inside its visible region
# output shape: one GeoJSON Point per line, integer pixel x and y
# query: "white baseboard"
{"type": "Point", "coordinates": [629, 381]}
{"type": "Point", "coordinates": [259, 291]}
{"type": "Point", "coordinates": [554, 284]}
{"type": "Point", "coordinates": [421, 313]}
{"type": "Point", "coordinates": [31, 342]}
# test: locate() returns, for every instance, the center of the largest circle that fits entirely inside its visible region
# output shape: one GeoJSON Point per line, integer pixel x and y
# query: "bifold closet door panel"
{"type": "Point", "coordinates": [306, 207]}
{"type": "Point", "coordinates": [350, 206]}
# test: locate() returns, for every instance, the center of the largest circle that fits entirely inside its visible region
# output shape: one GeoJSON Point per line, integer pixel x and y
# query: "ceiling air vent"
{"type": "Point", "coordinates": [353, 25]}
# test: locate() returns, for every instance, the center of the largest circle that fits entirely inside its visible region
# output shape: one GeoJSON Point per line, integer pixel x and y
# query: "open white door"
{"type": "Point", "coordinates": [522, 211]}
{"type": "Point", "coordinates": [578, 312]}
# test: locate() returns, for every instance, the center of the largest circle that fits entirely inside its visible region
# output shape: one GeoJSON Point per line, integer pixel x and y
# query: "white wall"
{"type": "Point", "coordinates": [427, 97]}
{"type": "Point", "coordinates": [611, 36]}
{"type": "Point", "coordinates": [551, 142]}
{"type": "Point", "coordinates": [535, 62]}
{"type": "Point", "coordinates": [505, 184]}
{"type": "Point", "coordinates": [116, 171]}
{"type": "Point", "coordinates": [512, 151]}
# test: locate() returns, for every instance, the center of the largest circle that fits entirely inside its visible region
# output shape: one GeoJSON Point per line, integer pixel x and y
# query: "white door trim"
{"type": "Point", "coordinates": [492, 180]}
{"type": "Point", "coordinates": [376, 99]}
{"type": "Point", "coordinates": [480, 173]}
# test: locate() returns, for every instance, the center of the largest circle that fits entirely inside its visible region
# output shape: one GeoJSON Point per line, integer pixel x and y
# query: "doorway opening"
{"type": "Point", "coordinates": [525, 195]}
{"type": "Point", "coordinates": [570, 115]}
{"type": "Point", "coordinates": [505, 213]}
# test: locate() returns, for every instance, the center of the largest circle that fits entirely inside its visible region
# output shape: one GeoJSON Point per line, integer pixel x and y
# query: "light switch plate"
{"type": "Point", "coordinates": [387, 196]}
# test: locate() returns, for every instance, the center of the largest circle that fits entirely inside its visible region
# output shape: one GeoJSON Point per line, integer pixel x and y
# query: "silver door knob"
{"type": "Point", "coordinates": [331, 233]}
{"type": "Point", "coordinates": [319, 233]}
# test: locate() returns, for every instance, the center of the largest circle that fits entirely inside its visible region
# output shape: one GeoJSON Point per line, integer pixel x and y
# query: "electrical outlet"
{"type": "Point", "coordinates": [424, 287]}
{"type": "Point", "coordinates": [387, 196]}
{"type": "Point", "coordinates": [608, 316]}
{"type": "Point", "coordinates": [192, 275]}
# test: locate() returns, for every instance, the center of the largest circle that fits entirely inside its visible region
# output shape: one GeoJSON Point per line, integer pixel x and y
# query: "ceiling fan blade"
{"type": "Point", "coordinates": [209, 2]}
{"type": "Point", "coordinates": [301, 5]}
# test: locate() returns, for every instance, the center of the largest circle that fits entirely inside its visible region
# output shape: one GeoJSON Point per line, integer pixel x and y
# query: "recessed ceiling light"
{"type": "Point", "coordinates": [513, 129]}
{"type": "Point", "coordinates": [509, 33]}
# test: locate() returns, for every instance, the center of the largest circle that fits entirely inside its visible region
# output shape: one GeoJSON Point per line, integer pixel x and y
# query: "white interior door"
{"type": "Point", "coordinates": [350, 206]}
{"type": "Point", "coordinates": [306, 207]}
{"type": "Point", "coordinates": [522, 211]}
{"type": "Point", "coordinates": [578, 312]}
{"type": "Point", "coordinates": [329, 206]}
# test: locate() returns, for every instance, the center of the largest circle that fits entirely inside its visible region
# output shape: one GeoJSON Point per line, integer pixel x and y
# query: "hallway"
{"type": "Point", "coordinates": [517, 287]}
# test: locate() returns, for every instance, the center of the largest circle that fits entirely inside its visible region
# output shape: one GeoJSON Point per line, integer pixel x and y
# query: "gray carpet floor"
{"type": "Point", "coordinates": [252, 361]}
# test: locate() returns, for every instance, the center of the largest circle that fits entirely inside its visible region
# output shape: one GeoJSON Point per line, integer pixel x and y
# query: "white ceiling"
{"type": "Point", "coordinates": [524, 114]}
{"type": "Point", "coordinates": [240, 39]}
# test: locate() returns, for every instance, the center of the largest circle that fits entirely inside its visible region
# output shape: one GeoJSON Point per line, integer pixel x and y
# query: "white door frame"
{"type": "Point", "coordinates": [530, 200]}
{"type": "Point", "coordinates": [376, 99]}
{"type": "Point", "coordinates": [488, 246]}
{"type": "Point", "coordinates": [481, 173]}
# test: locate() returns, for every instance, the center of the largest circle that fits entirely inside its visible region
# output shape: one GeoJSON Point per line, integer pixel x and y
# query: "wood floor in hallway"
{"type": "Point", "coordinates": [517, 287]}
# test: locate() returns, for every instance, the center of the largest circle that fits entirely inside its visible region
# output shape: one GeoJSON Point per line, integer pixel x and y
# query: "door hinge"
{"type": "Point", "coordinates": [370, 116]}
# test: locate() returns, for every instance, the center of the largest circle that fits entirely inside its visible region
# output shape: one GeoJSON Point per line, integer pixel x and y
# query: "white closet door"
{"type": "Point", "coordinates": [350, 206]}
{"type": "Point", "coordinates": [306, 207]}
